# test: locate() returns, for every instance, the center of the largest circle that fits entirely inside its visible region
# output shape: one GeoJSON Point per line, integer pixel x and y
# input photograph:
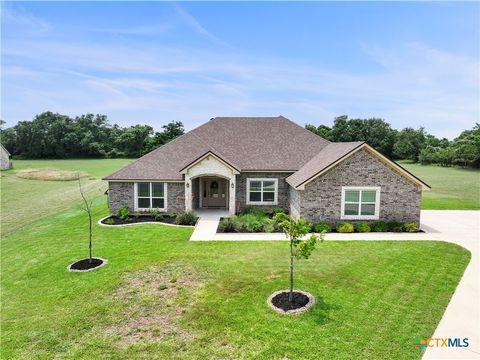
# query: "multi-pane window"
{"type": "Point", "coordinates": [360, 203]}
{"type": "Point", "coordinates": [262, 191]}
{"type": "Point", "coordinates": [150, 195]}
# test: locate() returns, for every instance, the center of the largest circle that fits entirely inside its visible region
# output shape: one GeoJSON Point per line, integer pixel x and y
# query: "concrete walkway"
{"type": "Point", "coordinates": [462, 316]}
{"type": "Point", "coordinates": [207, 224]}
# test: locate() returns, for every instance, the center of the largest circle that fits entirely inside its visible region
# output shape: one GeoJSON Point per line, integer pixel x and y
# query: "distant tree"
{"type": "Point", "coordinates": [134, 139]}
{"type": "Point", "coordinates": [467, 147]}
{"type": "Point", "coordinates": [409, 143]}
{"type": "Point", "coordinates": [376, 132]}
{"type": "Point", "coordinates": [322, 130]}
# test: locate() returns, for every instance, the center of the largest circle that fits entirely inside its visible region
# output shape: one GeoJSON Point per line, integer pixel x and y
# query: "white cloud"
{"type": "Point", "coordinates": [415, 85]}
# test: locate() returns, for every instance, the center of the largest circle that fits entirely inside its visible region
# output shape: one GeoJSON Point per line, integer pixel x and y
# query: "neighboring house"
{"type": "Point", "coordinates": [4, 158]}
{"type": "Point", "coordinates": [236, 163]}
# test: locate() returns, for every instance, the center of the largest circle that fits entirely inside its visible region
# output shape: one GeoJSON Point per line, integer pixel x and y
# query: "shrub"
{"type": "Point", "coordinates": [362, 227]}
{"type": "Point", "coordinates": [322, 227]}
{"type": "Point", "coordinates": [252, 222]}
{"type": "Point", "coordinates": [380, 226]}
{"type": "Point", "coordinates": [172, 215]}
{"type": "Point", "coordinates": [186, 218]}
{"type": "Point", "coordinates": [109, 221]}
{"type": "Point", "coordinates": [395, 226]}
{"type": "Point", "coordinates": [156, 215]}
{"type": "Point", "coordinates": [254, 212]}
{"type": "Point", "coordinates": [344, 227]}
{"type": "Point", "coordinates": [275, 211]}
{"type": "Point", "coordinates": [122, 213]}
{"type": "Point", "coordinates": [269, 225]}
{"type": "Point", "coordinates": [227, 224]}
{"type": "Point", "coordinates": [410, 227]}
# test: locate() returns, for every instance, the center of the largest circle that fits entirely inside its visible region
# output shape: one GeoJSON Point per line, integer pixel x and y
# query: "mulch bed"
{"type": "Point", "coordinates": [281, 301]}
{"type": "Point", "coordinates": [85, 264]}
{"type": "Point", "coordinates": [138, 219]}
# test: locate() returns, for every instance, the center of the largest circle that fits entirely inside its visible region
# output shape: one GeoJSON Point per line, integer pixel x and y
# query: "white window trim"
{"type": "Point", "coordinates": [361, 217]}
{"type": "Point", "coordinates": [275, 196]}
{"type": "Point", "coordinates": [135, 196]}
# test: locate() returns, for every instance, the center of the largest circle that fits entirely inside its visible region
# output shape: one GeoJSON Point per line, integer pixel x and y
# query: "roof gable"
{"type": "Point", "coordinates": [334, 154]}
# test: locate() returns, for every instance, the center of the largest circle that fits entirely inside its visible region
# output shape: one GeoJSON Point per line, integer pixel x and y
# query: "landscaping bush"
{"type": "Point", "coordinates": [109, 221]}
{"type": "Point", "coordinates": [322, 227]}
{"type": "Point", "coordinates": [253, 211]}
{"type": "Point", "coordinates": [227, 224]}
{"type": "Point", "coordinates": [362, 227]}
{"type": "Point", "coordinates": [186, 218]}
{"type": "Point", "coordinates": [344, 227]}
{"type": "Point", "coordinates": [252, 222]}
{"type": "Point", "coordinates": [380, 226]}
{"type": "Point", "coordinates": [276, 211]}
{"type": "Point", "coordinates": [395, 226]}
{"type": "Point", "coordinates": [122, 213]}
{"type": "Point", "coordinates": [156, 215]}
{"type": "Point", "coordinates": [410, 227]}
{"type": "Point", "coordinates": [269, 225]}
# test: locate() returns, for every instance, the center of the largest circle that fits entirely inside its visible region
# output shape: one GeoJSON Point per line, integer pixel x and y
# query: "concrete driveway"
{"type": "Point", "coordinates": [462, 316]}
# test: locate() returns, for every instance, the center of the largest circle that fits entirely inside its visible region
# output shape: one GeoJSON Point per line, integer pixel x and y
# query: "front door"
{"type": "Point", "coordinates": [214, 192]}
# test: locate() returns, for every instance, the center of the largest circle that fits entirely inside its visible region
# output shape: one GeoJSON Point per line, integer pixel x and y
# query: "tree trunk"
{"type": "Point", "coordinates": [290, 296]}
{"type": "Point", "coordinates": [90, 238]}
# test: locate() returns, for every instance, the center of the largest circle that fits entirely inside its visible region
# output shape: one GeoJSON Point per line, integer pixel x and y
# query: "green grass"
{"type": "Point", "coordinates": [452, 188]}
{"type": "Point", "coordinates": [161, 296]}
{"type": "Point", "coordinates": [25, 201]}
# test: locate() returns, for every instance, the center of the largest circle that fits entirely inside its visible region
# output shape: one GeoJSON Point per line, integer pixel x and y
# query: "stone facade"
{"type": "Point", "coordinates": [122, 194]}
{"type": "Point", "coordinates": [321, 199]}
{"type": "Point", "coordinates": [175, 197]}
{"type": "Point", "coordinates": [241, 190]}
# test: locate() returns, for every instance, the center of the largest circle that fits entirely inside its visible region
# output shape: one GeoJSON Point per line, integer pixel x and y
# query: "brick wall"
{"type": "Point", "coordinates": [122, 194]}
{"type": "Point", "coordinates": [399, 198]}
{"type": "Point", "coordinates": [241, 190]}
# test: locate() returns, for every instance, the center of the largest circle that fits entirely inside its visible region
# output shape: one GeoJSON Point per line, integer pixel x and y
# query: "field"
{"type": "Point", "coordinates": [452, 188]}
{"type": "Point", "coordinates": [161, 296]}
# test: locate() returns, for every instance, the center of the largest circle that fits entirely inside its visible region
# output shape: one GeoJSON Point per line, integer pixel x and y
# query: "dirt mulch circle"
{"type": "Point", "coordinates": [50, 174]}
{"type": "Point", "coordinates": [301, 301]}
{"type": "Point", "coordinates": [85, 265]}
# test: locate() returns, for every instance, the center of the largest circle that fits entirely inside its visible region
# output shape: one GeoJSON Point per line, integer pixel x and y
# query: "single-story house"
{"type": "Point", "coordinates": [235, 163]}
{"type": "Point", "coordinates": [4, 158]}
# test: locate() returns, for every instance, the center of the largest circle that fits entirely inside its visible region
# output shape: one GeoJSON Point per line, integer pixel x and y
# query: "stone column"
{"type": "Point", "coordinates": [188, 194]}
{"type": "Point", "coordinates": [231, 191]}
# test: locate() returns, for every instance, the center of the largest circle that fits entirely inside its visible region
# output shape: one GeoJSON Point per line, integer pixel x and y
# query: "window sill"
{"type": "Point", "coordinates": [150, 209]}
{"type": "Point", "coordinates": [262, 203]}
{"type": "Point", "coordinates": [359, 217]}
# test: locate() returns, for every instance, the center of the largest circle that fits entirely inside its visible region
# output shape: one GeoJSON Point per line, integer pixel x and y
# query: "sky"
{"type": "Point", "coordinates": [411, 63]}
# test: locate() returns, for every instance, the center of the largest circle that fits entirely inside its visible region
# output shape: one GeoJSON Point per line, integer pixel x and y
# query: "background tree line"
{"type": "Point", "coordinates": [408, 144]}
{"type": "Point", "coordinates": [51, 135]}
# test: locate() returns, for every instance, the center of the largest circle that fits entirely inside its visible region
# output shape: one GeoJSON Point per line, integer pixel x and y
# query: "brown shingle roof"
{"type": "Point", "coordinates": [247, 143]}
{"type": "Point", "coordinates": [327, 156]}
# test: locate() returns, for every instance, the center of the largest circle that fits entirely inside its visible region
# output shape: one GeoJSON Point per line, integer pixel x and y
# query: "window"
{"type": "Point", "coordinates": [150, 196]}
{"type": "Point", "coordinates": [262, 191]}
{"type": "Point", "coordinates": [360, 203]}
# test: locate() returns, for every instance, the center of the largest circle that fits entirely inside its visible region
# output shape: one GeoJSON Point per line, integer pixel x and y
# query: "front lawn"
{"type": "Point", "coordinates": [161, 296]}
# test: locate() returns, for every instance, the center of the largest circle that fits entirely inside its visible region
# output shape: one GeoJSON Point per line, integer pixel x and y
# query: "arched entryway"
{"type": "Point", "coordinates": [210, 184]}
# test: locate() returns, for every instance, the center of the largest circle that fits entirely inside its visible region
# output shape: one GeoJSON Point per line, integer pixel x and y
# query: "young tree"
{"type": "Point", "coordinates": [295, 230]}
{"type": "Point", "coordinates": [87, 207]}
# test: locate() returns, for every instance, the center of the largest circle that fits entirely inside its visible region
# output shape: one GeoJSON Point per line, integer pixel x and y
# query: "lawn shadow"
{"type": "Point", "coordinates": [321, 311]}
